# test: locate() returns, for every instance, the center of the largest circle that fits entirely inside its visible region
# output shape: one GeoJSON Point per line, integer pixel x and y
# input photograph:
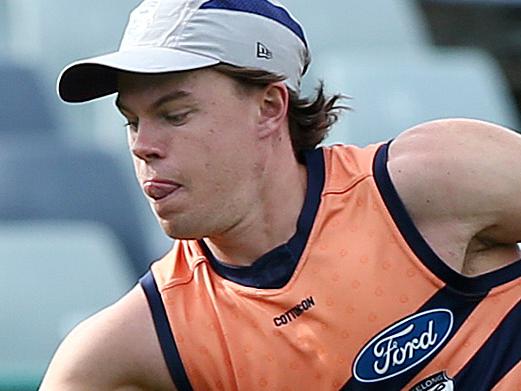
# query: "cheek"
{"type": "Point", "coordinates": [139, 170]}
{"type": "Point", "coordinates": [232, 152]}
{"type": "Point", "coordinates": [220, 174]}
{"type": "Point", "coordinates": [130, 140]}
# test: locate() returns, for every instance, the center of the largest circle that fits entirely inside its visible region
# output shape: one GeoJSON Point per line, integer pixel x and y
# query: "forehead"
{"type": "Point", "coordinates": [134, 82]}
{"type": "Point", "coordinates": [138, 89]}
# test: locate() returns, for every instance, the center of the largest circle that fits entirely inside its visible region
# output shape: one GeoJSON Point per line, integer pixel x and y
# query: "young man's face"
{"type": "Point", "coordinates": [194, 145]}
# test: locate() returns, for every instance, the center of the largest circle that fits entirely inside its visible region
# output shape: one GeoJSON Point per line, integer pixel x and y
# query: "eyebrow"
{"type": "Point", "coordinates": [176, 95]}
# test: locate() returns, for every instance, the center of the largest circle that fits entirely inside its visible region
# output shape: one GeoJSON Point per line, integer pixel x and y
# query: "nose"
{"type": "Point", "coordinates": [146, 143]}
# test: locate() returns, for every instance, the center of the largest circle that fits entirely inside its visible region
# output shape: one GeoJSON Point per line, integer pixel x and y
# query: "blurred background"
{"type": "Point", "coordinates": [75, 230]}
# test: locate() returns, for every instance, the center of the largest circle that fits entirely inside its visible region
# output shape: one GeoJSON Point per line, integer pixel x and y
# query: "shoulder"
{"type": "Point", "coordinates": [116, 349]}
{"type": "Point", "coordinates": [346, 165]}
{"type": "Point", "coordinates": [459, 169]}
{"type": "Point", "coordinates": [448, 137]}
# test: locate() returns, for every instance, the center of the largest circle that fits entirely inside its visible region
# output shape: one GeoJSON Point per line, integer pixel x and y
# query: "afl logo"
{"type": "Point", "coordinates": [403, 345]}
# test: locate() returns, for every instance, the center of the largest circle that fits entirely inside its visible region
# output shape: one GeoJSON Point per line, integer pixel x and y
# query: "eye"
{"type": "Point", "coordinates": [131, 126]}
{"type": "Point", "coordinates": [177, 119]}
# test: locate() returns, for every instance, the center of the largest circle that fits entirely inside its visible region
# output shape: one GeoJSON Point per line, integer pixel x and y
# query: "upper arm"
{"type": "Point", "coordinates": [462, 174]}
{"type": "Point", "coordinates": [115, 349]}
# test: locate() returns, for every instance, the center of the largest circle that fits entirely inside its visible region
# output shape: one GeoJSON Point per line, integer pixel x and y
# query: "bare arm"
{"type": "Point", "coordinates": [116, 349]}
{"type": "Point", "coordinates": [460, 181]}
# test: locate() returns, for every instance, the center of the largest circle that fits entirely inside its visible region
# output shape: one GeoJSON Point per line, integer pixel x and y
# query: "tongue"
{"type": "Point", "coordinates": [159, 190]}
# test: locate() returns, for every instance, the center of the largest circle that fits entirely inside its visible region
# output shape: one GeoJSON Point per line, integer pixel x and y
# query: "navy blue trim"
{"type": "Point", "coordinates": [274, 269]}
{"type": "Point", "coordinates": [262, 8]}
{"type": "Point", "coordinates": [496, 358]}
{"type": "Point", "coordinates": [467, 285]}
{"type": "Point", "coordinates": [446, 298]}
{"type": "Point", "coordinates": [166, 338]}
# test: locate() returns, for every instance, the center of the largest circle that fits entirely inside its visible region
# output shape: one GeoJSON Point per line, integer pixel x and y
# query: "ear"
{"type": "Point", "coordinates": [273, 108]}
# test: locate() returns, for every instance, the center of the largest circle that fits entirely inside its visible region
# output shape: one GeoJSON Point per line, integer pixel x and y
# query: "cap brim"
{"type": "Point", "coordinates": [96, 77]}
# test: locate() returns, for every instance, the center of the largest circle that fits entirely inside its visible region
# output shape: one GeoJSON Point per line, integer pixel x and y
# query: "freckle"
{"type": "Point", "coordinates": [428, 201]}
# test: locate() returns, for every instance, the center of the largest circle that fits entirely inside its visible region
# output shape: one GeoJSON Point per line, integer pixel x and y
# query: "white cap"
{"type": "Point", "coordinates": [179, 35]}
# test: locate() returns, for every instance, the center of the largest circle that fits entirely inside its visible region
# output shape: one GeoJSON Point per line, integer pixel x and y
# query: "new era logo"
{"type": "Point", "coordinates": [263, 51]}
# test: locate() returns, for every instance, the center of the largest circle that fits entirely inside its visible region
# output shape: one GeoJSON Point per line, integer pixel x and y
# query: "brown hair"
{"type": "Point", "coordinates": [310, 118]}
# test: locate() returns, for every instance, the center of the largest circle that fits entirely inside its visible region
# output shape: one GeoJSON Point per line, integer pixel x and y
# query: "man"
{"type": "Point", "coordinates": [295, 267]}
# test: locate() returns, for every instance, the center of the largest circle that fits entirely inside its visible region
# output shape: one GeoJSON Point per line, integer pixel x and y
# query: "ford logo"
{"type": "Point", "coordinates": [403, 345]}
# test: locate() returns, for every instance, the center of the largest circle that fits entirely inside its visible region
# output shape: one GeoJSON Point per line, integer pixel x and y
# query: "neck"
{"type": "Point", "coordinates": [272, 220]}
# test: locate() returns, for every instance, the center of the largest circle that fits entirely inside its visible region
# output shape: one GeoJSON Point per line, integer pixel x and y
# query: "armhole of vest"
{"type": "Point", "coordinates": [164, 333]}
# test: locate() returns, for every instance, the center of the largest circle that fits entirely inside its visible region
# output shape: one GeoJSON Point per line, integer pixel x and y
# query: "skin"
{"type": "Point", "coordinates": [457, 179]}
{"type": "Point", "coordinates": [227, 162]}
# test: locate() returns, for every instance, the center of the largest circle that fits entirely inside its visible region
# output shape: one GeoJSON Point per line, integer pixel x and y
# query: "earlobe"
{"type": "Point", "coordinates": [273, 108]}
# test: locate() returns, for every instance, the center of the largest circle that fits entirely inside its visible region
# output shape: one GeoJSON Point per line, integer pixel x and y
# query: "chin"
{"type": "Point", "coordinates": [179, 230]}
